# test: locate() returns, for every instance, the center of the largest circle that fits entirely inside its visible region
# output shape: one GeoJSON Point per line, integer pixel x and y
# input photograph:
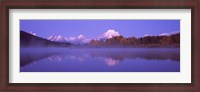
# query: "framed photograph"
{"type": "Point", "coordinates": [100, 45]}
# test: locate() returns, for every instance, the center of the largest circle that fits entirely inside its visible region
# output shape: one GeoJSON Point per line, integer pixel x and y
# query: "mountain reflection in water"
{"type": "Point", "coordinates": [100, 59]}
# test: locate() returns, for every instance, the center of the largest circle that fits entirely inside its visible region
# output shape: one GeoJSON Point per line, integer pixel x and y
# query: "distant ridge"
{"type": "Point", "coordinates": [76, 40]}
{"type": "Point", "coordinates": [29, 40]}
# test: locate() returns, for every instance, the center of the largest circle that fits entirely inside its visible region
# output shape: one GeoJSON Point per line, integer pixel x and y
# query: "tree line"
{"type": "Point", "coordinates": [170, 40]}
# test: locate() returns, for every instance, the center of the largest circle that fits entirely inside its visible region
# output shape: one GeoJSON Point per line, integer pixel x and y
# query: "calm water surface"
{"type": "Point", "coordinates": [99, 60]}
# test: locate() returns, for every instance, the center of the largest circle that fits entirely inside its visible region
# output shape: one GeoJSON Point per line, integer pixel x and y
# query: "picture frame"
{"type": "Point", "coordinates": [89, 4]}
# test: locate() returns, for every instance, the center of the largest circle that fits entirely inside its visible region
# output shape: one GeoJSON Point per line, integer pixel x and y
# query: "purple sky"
{"type": "Point", "coordinates": [95, 28]}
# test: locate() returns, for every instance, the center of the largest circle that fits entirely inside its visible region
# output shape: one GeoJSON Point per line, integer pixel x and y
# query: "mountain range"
{"type": "Point", "coordinates": [31, 39]}
{"type": "Point", "coordinates": [81, 39]}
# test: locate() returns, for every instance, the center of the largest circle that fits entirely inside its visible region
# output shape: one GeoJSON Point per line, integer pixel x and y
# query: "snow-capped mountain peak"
{"type": "Point", "coordinates": [109, 34]}
{"type": "Point", "coordinates": [57, 38]}
{"type": "Point", "coordinates": [81, 37]}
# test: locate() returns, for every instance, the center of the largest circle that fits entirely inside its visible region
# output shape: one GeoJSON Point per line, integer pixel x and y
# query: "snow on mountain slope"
{"type": "Point", "coordinates": [109, 34]}
{"type": "Point", "coordinates": [163, 34]}
{"type": "Point", "coordinates": [168, 34]}
{"type": "Point", "coordinates": [58, 38]}
{"type": "Point", "coordinates": [81, 39]}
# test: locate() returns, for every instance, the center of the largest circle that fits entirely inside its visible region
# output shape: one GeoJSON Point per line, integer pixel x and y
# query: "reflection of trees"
{"type": "Point", "coordinates": [27, 58]}
{"type": "Point", "coordinates": [66, 57]}
{"type": "Point", "coordinates": [110, 56]}
{"type": "Point", "coordinates": [55, 58]}
{"type": "Point", "coordinates": [145, 54]}
{"type": "Point", "coordinates": [30, 55]}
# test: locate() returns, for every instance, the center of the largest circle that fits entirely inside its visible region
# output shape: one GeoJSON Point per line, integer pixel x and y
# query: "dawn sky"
{"type": "Point", "coordinates": [95, 28]}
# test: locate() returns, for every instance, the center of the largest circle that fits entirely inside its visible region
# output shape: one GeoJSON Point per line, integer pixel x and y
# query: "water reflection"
{"type": "Point", "coordinates": [65, 57]}
{"type": "Point", "coordinates": [110, 57]}
{"type": "Point", "coordinates": [111, 61]}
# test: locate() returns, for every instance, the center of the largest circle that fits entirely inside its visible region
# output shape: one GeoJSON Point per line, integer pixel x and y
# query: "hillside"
{"type": "Point", "coordinates": [29, 40]}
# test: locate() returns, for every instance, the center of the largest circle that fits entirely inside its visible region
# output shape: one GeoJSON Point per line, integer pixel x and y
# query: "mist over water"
{"type": "Point", "coordinates": [99, 59]}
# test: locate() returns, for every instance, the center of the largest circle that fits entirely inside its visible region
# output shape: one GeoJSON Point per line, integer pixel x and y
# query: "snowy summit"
{"type": "Point", "coordinates": [58, 38]}
{"type": "Point", "coordinates": [109, 34]}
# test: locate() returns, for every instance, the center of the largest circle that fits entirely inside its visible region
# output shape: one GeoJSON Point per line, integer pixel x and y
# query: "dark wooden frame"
{"type": "Point", "coordinates": [103, 4]}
